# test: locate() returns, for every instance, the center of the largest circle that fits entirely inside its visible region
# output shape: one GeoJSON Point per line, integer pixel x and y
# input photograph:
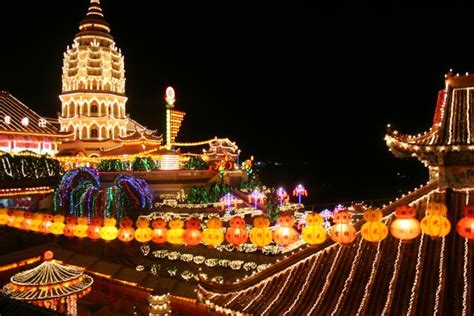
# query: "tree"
{"type": "Point", "coordinates": [272, 206]}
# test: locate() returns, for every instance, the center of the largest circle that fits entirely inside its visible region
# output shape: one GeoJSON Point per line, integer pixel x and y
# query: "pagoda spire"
{"type": "Point", "coordinates": [95, 8]}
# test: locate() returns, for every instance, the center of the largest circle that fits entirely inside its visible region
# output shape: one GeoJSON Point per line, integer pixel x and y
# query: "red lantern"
{"type": "Point", "coordinates": [93, 231]}
{"type": "Point", "coordinates": [285, 234]}
{"type": "Point", "coordinates": [126, 232]}
{"type": "Point", "coordinates": [45, 225]}
{"type": "Point", "coordinates": [343, 232]}
{"type": "Point", "coordinates": [405, 227]}
{"type": "Point", "coordinates": [27, 220]}
{"type": "Point", "coordinates": [236, 234]}
{"type": "Point", "coordinates": [158, 236]}
{"type": "Point", "coordinates": [465, 226]}
{"type": "Point", "coordinates": [71, 222]}
{"type": "Point", "coordinates": [192, 234]}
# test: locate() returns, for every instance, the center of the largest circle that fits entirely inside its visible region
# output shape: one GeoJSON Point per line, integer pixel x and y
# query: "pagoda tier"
{"type": "Point", "coordinates": [450, 140]}
{"type": "Point", "coordinates": [424, 277]}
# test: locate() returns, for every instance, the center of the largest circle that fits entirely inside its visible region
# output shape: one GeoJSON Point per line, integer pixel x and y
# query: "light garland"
{"type": "Point", "coordinates": [396, 267]}
{"type": "Point", "coordinates": [441, 277]}
{"type": "Point", "coordinates": [465, 278]}
{"type": "Point", "coordinates": [414, 288]}
{"type": "Point", "coordinates": [270, 305]}
{"type": "Point", "coordinates": [25, 191]}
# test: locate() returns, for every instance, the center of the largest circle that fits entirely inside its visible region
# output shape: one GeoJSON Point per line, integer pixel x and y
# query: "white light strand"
{"type": "Point", "coordinates": [256, 297]}
{"type": "Point", "coordinates": [370, 282]}
{"type": "Point", "coordinates": [328, 279]}
{"type": "Point", "coordinates": [304, 287]}
{"type": "Point", "coordinates": [348, 281]}
{"type": "Point", "coordinates": [468, 119]}
{"type": "Point", "coordinates": [396, 267]}
{"type": "Point", "coordinates": [414, 288]}
{"type": "Point", "coordinates": [464, 274]}
{"type": "Point", "coordinates": [450, 139]}
{"type": "Point", "coordinates": [271, 304]}
{"type": "Point", "coordinates": [441, 277]}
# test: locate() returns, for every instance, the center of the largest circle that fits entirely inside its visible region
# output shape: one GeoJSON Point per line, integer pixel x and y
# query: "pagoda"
{"type": "Point", "coordinates": [447, 147]}
{"type": "Point", "coordinates": [93, 88]}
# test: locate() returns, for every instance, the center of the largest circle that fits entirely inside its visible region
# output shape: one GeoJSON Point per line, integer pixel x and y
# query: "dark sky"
{"type": "Point", "coordinates": [298, 84]}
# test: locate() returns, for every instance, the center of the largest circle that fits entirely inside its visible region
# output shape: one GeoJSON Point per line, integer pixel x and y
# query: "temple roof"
{"type": "Point", "coordinates": [390, 277]}
{"type": "Point", "coordinates": [94, 23]}
{"type": "Point", "coordinates": [22, 119]}
{"type": "Point", "coordinates": [453, 124]}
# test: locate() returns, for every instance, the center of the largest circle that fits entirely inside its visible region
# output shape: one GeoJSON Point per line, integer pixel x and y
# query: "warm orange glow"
{"type": "Point", "coordinates": [405, 227]}
{"type": "Point", "coordinates": [260, 234]}
{"type": "Point", "coordinates": [314, 233]}
{"type": "Point", "coordinates": [465, 226]}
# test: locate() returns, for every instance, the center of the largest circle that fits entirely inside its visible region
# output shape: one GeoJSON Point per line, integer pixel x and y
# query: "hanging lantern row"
{"type": "Point", "coordinates": [405, 227]}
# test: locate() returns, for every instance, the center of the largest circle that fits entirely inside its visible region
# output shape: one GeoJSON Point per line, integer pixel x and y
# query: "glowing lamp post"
{"type": "Point", "coordinates": [282, 195]}
{"type": "Point", "coordinates": [256, 196]}
{"type": "Point", "coordinates": [300, 191]}
{"type": "Point", "coordinates": [170, 100]}
{"type": "Point", "coordinates": [228, 200]}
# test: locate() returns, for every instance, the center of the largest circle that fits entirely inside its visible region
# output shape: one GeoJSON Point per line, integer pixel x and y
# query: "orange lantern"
{"type": "Point", "coordinates": [18, 218]}
{"type": "Point", "coordinates": [236, 234]}
{"type": "Point", "coordinates": [342, 231]}
{"type": "Point", "coordinates": [213, 235]}
{"type": "Point", "coordinates": [71, 222]}
{"type": "Point", "coordinates": [435, 223]}
{"type": "Point", "coordinates": [192, 234]}
{"type": "Point", "coordinates": [285, 234]}
{"type": "Point", "coordinates": [374, 230]}
{"type": "Point", "coordinates": [465, 226]}
{"type": "Point", "coordinates": [109, 231]}
{"type": "Point", "coordinates": [126, 232]}
{"type": "Point", "coordinates": [46, 223]}
{"type": "Point", "coordinates": [405, 227]}
{"type": "Point", "coordinates": [260, 234]}
{"type": "Point", "coordinates": [36, 222]}
{"type": "Point", "coordinates": [143, 232]}
{"type": "Point", "coordinates": [27, 220]}
{"type": "Point", "coordinates": [3, 216]}
{"type": "Point", "coordinates": [176, 232]}
{"type": "Point", "coordinates": [11, 218]}
{"type": "Point", "coordinates": [314, 233]}
{"type": "Point", "coordinates": [80, 230]}
{"type": "Point", "coordinates": [93, 231]}
{"type": "Point", "coordinates": [57, 228]}
{"type": "Point", "coordinates": [158, 235]}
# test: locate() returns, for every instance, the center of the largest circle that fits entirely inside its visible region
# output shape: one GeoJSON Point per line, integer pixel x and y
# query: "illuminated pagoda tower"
{"type": "Point", "coordinates": [448, 147]}
{"type": "Point", "coordinates": [93, 88]}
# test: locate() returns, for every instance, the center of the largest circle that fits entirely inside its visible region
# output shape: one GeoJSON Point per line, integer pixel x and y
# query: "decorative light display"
{"type": "Point", "coordinates": [36, 222]}
{"type": "Point", "coordinates": [374, 230]}
{"type": "Point", "coordinates": [27, 220]}
{"type": "Point", "coordinates": [405, 227]}
{"type": "Point", "coordinates": [343, 232]}
{"type": "Point", "coordinates": [213, 235]}
{"type": "Point", "coordinates": [170, 162]}
{"type": "Point", "coordinates": [282, 195]}
{"type": "Point", "coordinates": [109, 231]}
{"type": "Point", "coordinates": [314, 233]}
{"type": "Point", "coordinates": [227, 200]}
{"type": "Point", "coordinates": [126, 232]}
{"type": "Point", "coordinates": [93, 231]}
{"type": "Point", "coordinates": [236, 234]}
{"type": "Point", "coordinates": [192, 234]}
{"type": "Point", "coordinates": [435, 223]}
{"type": "Point", "coordinates": [159, 305]}
{"type": "Point", "coordinates": [18, 218]}
{"type": "Point", "coordinates": [3, 216]}
{"type": "Point", "coordinates": [176, 232]}
{"type": "Point", "coordinates": [46, 223]}
{"type": "Point", "coordinates": [260, 234]}
{"type": "Point", "coordinates": [158, 235]}
{"type": "Point", "coordinates": [80, 194]}
{"type": "Point", "coordinates": [71, 222]}
{"type": "Point", "coordinates": [257, 197]}
{"type": "Point", "coordinates": [300, 191]}
{"type": "Point", "coordinates": [50, 285]}
{"type": "Point", "coordinates": [57, 227]}
{"type": "Point", "coordinates": [465, 226]}
{"type": "Point", "coordinates": [285, 234]}
{"type": "Point", "coordinates": [80, 230]}
{"type": "Point", "coordinates": [143, 232]}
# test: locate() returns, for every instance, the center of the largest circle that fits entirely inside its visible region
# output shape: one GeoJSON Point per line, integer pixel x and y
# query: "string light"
{"type": "Point", "coordinates": [441, 277]}
{"type": "Point", "coordinates": [465, 278]}
{"type": "Point", "coordinates": [396, 267]}
{"type": "Point", "coordinates": [270, 305]}
{"type": "Point", "coordinates": [414, 288]}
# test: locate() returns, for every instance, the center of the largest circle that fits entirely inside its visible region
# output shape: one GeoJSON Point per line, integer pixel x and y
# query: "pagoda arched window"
{"type": "Point", "coordinates": [116, 132]}
{"type": "Point", "coordinates": [94, 107]}
{"type": "Point", "coordinates": [72, 109]}
{"type": "Point", "coordinates": [94, 132]}
{"type": "Point", "coordinates": [81, 85]}
{"type": "Point", "coordinates": [107, 86]}
{"type": "Point", "coordinates": [122, 112]}
{"type": "Point", "coordinates": [103, 109]}
{"type": "Point", "coordinates": [84, 134]}
{"type": "Point", "coordinates": [116, 110]}
{"type": "Point", "coordinates": [94, 85]}
{"type": "Point", "coordinates": [103, 133]}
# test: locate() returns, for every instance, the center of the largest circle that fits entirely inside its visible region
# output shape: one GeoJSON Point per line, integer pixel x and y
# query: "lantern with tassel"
{"type": "Point", "coordinates": [260, 234]}
{"type": "Point", "coordinates": [435, 223]}
{"type": "Point", "coordinates": [314, 233]}
{"type": "Point", "coordinates": [374, 230]}
{"type": "Point", "coordinates": [109, 231]}
{"type": "Point", "coordinates": [343, 232]}
{"type": "Point", "coordinates": [285, 234]}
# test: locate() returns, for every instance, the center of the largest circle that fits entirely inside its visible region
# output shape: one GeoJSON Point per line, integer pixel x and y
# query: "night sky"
{"type": "Point", "coordinates": [307, 87]}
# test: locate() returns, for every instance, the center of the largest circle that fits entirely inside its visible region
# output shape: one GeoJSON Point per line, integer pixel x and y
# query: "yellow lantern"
{"type": "Point", "coordinates": [80, 230]}
{"type": "Point", "coordinates": [57, 228]}
{"type": "Point", "coordinates": [374, 230]}
{"type": "Point", "coordinates": [18, 218]}
{"type": "Point", "coordinates": [109, 231]}
{"type": "Point", "coordinates": [314, 233]}
{"type": "Point", "coordinates": [343, 232]}
{"type": "Point", "coordinates": [435, 223]}
{"type": "Point", "coordinates": [213, 235]}
{"type": "Point", "coordinates": [36, 222]}
{"type": "Point", "coordinates": [260, 234]}
{"type": "Point", "coordinates": [143, 232]}
{"type": "Point", "coordinates": [3, 216]}
{"type": "Point", "coordinates": [27, 219]}
{"type": "Point", "coordinates": [405, 227]}
{"type": "Point", "coordinates": [176, 232]}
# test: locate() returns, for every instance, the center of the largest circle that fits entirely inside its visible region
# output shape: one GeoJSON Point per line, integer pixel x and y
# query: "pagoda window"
{"type": "Point", "coordinates": [94, 85]}
{"type": "Point", "coordinates": [107, 86]}
{"type": "Point", "coordinates": [72, 109]}
{"type": "Point", "coordinates": [94, 132]}
{"type": "Point", "coordinates": [103, 109]}
{"type": "Point", "coordinates": [84, 134]}
{"type": "Point", "coordinates": [94, 107]}
{"type": "Point", "coordinates": [116, 132]}
{"type": "Point", "coordinates": [116, 110]}
{"type": "Point", "coordinates": [103, 133]}
{"type": "Point", "coordinates": [122, 112]}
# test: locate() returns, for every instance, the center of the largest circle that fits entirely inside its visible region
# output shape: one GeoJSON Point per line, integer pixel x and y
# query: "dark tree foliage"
{"type": "Point", "coordinates": [196, 163]}
{"type": "Point", "coordinates": [143, 164]}
{"type": "Point", "coordinates": [111, 165]}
